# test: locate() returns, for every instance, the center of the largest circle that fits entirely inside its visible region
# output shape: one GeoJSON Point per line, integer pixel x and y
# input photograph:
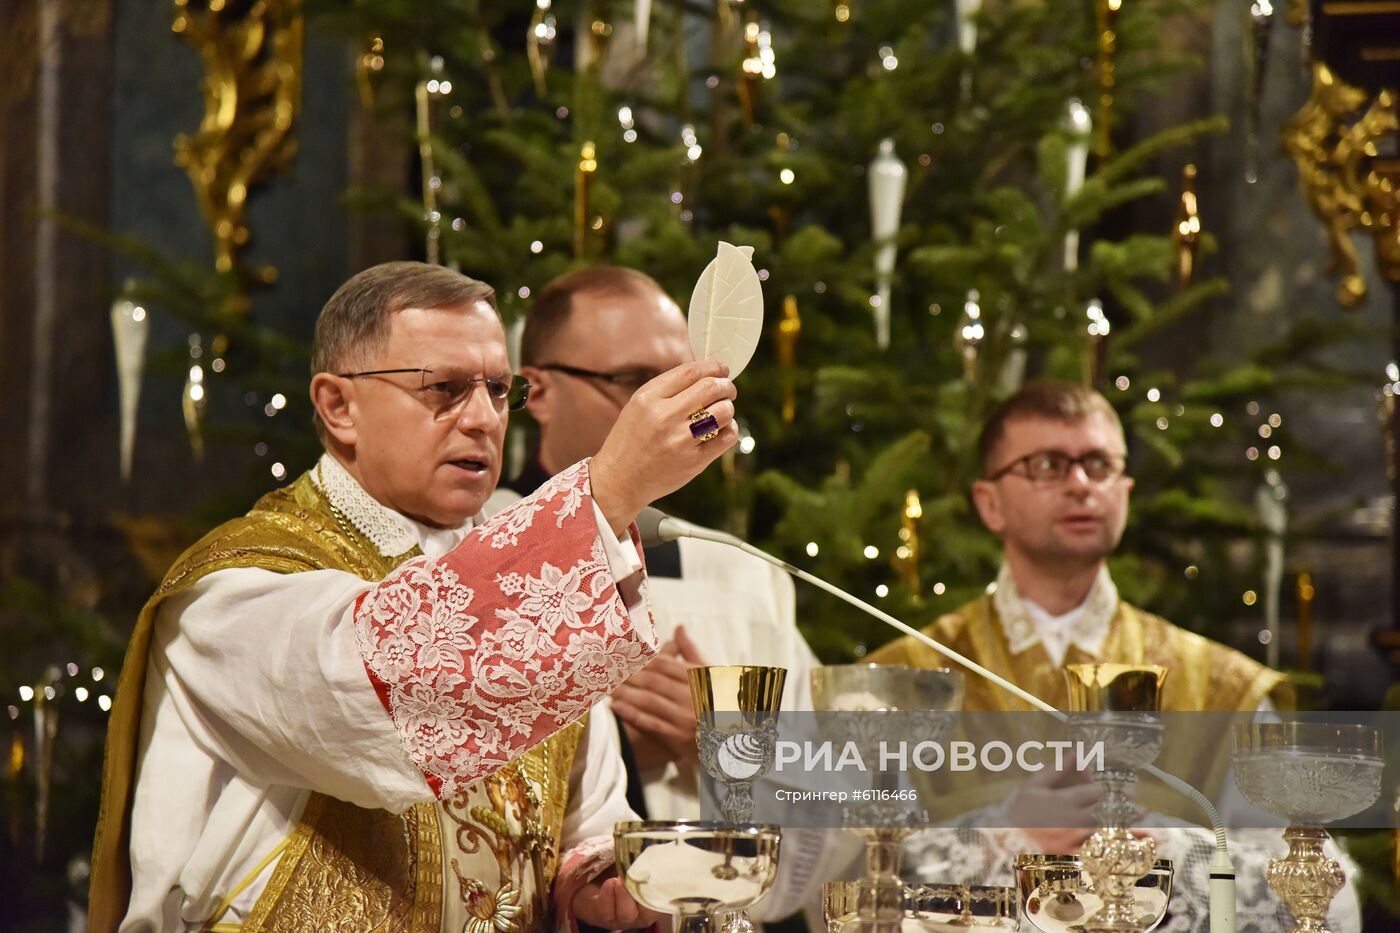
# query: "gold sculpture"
{"type": "Point", "coordinates": [1342, 186]}
{"type": "Point", "coordinates": [252, 91]}
{"type": "Point", "coordinates": [1106, 18]}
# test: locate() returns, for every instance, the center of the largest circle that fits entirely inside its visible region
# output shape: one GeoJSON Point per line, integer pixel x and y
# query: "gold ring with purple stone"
{"type": "Point", "coordinates": [703, 426]}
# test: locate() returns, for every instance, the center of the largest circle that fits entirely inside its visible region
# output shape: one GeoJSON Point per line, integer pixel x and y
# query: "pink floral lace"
{"type": "Point", "coordinates": [474, 675]}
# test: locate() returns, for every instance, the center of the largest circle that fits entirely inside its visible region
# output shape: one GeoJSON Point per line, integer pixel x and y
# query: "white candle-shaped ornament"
{"type": "Point", "coordinates": [642, 23]}
{"type": "Point", "coordinates": [967, 24]}
{"type": "Point", "coordinates": [1271, 503]}
{"type": "Point", "coordinates": [130, 327]}
{"type": "Point", "coordinates": [1080, 127]}
{"type": "Point", "coordinates": [887, 177]}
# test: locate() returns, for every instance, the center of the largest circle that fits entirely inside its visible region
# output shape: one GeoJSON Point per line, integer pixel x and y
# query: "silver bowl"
{"type": "Point", "coordinates": [1055, 895]}
{"type": "Point", "coordinates": [695, 870]}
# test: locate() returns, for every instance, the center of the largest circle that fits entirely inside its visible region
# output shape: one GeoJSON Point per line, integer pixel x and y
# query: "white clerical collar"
{"type": "Point", "coordinates": [1085, 627]}
{"type": "Point", "coordinates": [390, 532]}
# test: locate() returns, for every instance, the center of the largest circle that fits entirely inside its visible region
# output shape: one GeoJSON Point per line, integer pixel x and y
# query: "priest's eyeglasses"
{"type": "Point", "coordinates": [445, 392]}
{"type": "Point", "coordinates": [1054, 466]}
{"type": "Point", "coordinates": [630, 380]}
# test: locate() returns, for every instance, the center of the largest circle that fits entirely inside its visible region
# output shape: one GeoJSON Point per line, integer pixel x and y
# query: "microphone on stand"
{"type": "Point", "coordinates": [656, 527]}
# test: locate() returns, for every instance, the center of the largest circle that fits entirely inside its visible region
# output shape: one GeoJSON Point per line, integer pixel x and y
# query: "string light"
{"type": "Point", "coordinates": [81, 693]}
{"type": "Point", "coordinates": [1249, 598]}
{"type": "Point", "coordinates": [1265, 430]}
{"type": "Point", "coordinates": [1217, 419]}
{"type": "Point", "coordinates": [279, 472]}
{"type": "Point", "coordinates": [812, 549]}
{"type": "Point", "coordinates": [939, 589]}
{"type": "Point", "coordinates": [1275, 421]}
{"type": "Point", "coordinates": [882, 591]}
{"type": "Point", "coordinates": [98, 673]}
{"type": "Point", "coordinates": [1154, 395]}
{"type": "Point", "coordinates": [26, 693]}
{"type": "Point", "coordinates": [1192, 572]}
{"type": "Point", "coordinates": [871, 552]}
{"type": "Point", "coordinates": [536, 247]}
{"type": "Point", "coordinates": [105, 702]}
{"type": "Point", "coordinates": [1275, 452]}
{"type": "Point", "coordinates": [1098, 323]}
{"type": "Point", "coordinates": [1122, 383]}
{"type": "Point", "coordinates": [787, 176]}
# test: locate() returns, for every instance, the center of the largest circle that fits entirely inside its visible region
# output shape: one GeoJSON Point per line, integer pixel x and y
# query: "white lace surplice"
{"type": "Point", "coordinates": [264, 687]}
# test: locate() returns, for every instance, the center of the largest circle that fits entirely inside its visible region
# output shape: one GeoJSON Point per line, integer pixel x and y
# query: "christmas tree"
{"type": "Point", "coordinates": [913, 180]}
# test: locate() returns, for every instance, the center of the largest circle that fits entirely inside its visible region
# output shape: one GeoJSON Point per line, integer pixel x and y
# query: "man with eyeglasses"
{"type": "Point", "coordinates": [1054, 488]}
{"type": "Point", "coordinates": [362, 707]}
{"type": "Point", "coordinates": [591, 338]}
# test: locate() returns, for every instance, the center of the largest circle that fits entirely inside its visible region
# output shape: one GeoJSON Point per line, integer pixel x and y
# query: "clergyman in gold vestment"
{"type": "Point", "coordinates": [360, 708]}
{"type": "Point", "coordinates": [1055, 490]}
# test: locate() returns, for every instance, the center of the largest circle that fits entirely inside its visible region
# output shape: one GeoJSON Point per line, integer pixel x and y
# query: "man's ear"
{"type": "Point", "coordinates": [987, 498]}
{"type": "Point", "coordinates": [333, 398]}
{"type": "Point", "coordinates": [540, 404]}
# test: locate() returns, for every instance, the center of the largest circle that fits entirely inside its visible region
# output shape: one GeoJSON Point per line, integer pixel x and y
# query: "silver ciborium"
{"type": "Point", "coordinates": [1115, 706]}
{"type": "Point", "coordinates": [928, 908]}
{"type": "Point", "coordinates": [1308, 773]}
{"type": "Point", "coordinates": [1055, 895]}
{"type": "Point", "coordinates": [875, 689]}
{"type": "Point", "coordinates": [694, 870]}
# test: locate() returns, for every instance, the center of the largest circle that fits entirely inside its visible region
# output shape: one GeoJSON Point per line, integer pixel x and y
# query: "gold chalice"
{"type": "Point", "coordinates": [1116, 705]}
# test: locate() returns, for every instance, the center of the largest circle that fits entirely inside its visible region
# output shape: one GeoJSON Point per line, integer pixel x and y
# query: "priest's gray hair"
{"type": "Point", "coordinates": [355, 322]}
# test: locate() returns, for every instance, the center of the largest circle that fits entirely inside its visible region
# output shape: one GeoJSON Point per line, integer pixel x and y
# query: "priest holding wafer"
{"type": "Point", "coordinates": [361, 706]}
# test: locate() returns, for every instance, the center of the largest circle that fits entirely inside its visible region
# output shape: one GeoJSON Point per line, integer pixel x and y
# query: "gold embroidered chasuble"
{"type": "Point", "coordinates": [493, 850]}
{"type": "Point", "coordinates": [1204, 675]}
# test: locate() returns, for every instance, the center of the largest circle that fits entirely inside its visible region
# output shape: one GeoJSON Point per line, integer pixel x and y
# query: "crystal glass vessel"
{"type": "Point", "coordinates": [1308, 773]}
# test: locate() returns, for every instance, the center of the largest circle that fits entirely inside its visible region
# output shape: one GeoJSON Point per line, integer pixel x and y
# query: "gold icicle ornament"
{"type": "Point", "coordinates": [1107, 21]}
{"type": "Point", "coordinates": [907, 554]}
{"type": "Point", "coordinates": [1187, 233]}
{"type": "Point", "coordinates": [583, 179]}
{"type": "Point", "coordinates": [970, 334]}
{"type": "Point", "coordinates": [425, 96]}
{"type": "Point", "coordinates": [367, 66]}
{"type": "Point", "coordinates": [785, 340]}
{"type": "Point", "coordinates": [539, 43]}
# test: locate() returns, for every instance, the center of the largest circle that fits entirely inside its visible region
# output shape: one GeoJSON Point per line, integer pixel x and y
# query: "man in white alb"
{"type": "Point", "coordinates": [357, 707]}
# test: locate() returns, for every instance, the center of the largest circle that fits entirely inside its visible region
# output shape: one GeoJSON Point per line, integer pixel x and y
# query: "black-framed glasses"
{"type": "Point", "coordinates": [1054, 466]}
{"type": "Point", "coordinates": [444, 391]}
{"type": "Point", "coordinates": [631, 380]}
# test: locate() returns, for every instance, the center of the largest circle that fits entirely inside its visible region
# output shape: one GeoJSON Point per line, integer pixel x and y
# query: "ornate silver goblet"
{"type": "Point", "coordinates": [696, 870]}
{"type": "Point", "coordinates": [874, 689]}
{"type": "Point", "coordinates": [736, 708]}
{"type": "Point", "coordinates": [1309, 773]}
{"type": "Point", "coordinates": [1117, 703]}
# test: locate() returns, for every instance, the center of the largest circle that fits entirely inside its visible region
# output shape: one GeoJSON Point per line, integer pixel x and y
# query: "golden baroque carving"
{"type": "Point", "coordinates": [1341, 184]}
{"type": "Point", "coordinates": [252, 91]}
